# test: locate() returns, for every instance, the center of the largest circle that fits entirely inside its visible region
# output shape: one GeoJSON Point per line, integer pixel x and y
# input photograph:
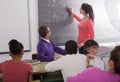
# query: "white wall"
{"type": "Point", "coordinates": [17, 11]}
{"type": "Point", "coordinates": [33, 11]}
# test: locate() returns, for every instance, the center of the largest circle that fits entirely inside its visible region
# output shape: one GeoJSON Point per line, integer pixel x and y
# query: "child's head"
{"type": "Point", "coordinates": [91, 46]}
{"type": "Point", "coordinates": [71, 47]}
{"type": "Point", "coordinates": [114, 61]}
{"type": "Point", "coordinates": [15, 47]}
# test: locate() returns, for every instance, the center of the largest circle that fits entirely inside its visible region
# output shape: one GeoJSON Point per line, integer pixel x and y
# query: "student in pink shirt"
{"type": "Point", "coordinates": [94, 74]}
{"type": "Point", "coordinates": [86, 25]}
{"type": "Point", "coordinates": [15, 70]}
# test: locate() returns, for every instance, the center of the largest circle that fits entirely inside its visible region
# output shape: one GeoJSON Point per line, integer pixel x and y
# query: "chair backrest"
{"type": "Point", "coordinates": [34, 56]}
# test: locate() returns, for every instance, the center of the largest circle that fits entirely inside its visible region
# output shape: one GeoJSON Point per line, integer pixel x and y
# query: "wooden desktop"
{"type": "Point", "coordinates": [38, 70]}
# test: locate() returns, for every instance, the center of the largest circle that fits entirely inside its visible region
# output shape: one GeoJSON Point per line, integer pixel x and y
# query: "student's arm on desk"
{"type": "Point", "coordinates": [54, 65]}
{"type": "Point", "coordinates": [57, 56]}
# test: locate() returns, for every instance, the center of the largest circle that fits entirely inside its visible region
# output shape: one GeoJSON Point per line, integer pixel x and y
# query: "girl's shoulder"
{"type": "Point", "coordinates": [93, 69]}
{"type": "Point", "coordinates": [6, 61]}
{"type": "Point", "coordinates": [90, 20]}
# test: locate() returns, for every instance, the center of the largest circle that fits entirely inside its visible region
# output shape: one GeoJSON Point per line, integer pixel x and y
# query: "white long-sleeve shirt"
{"type": "Point", "coordinates": [70, 65]}
{"type": "Point", "coordinates": [101, 58]}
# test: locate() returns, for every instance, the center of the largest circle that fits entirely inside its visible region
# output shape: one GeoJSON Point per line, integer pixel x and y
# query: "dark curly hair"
{"type": "Point", "coordinates": [15, 47]}
{"type": "Point", "coordinates": [71, 47]}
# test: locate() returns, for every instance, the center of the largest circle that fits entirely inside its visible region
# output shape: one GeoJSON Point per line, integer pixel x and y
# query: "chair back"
{"type": "Point", "coordinates": [34, 56]}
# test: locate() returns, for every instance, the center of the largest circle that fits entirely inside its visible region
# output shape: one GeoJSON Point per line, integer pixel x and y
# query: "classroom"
{"type": "Point", "coordinates": [21, 20]}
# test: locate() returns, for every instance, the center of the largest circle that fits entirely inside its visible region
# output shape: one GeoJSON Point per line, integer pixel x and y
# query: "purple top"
{"type": "Point", "coordinates": [95, 75]}
{"type": "Point", "coordinates": [46, 50]}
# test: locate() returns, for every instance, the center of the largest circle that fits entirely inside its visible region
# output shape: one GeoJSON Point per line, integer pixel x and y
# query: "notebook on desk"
{"type": "Point", "coordinates": [33, 62]}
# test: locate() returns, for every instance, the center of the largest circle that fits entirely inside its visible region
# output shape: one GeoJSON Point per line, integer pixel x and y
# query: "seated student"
{"type": "Point", "coordinates": [15, 70]}
{"type": "Point", "coordinates": [95, 74]}
{"type": "Point", "coordinates": [97, 55]}
{"type": "Point", "coordinates": [46, 48]}
{"type": "Point", "coordinates": [71, 64]}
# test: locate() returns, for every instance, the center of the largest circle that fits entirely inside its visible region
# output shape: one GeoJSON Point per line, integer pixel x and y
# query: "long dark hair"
{"type": "Point", "coordinates": [115, 57]}
{"type": "Point", "coordinates": [88, 10]}
{"type": "Point", "coordinates": [15, 47]}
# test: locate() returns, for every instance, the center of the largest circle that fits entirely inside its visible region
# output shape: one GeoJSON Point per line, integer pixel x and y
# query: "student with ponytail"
{"type": "Point", "coordinates": [15, 70]}
{"type": "Point", "coordinates": [86, 25]}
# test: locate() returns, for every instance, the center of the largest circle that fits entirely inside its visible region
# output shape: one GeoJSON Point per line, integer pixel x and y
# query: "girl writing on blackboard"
{"type": "Point", "coordinates": [86, 25]}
